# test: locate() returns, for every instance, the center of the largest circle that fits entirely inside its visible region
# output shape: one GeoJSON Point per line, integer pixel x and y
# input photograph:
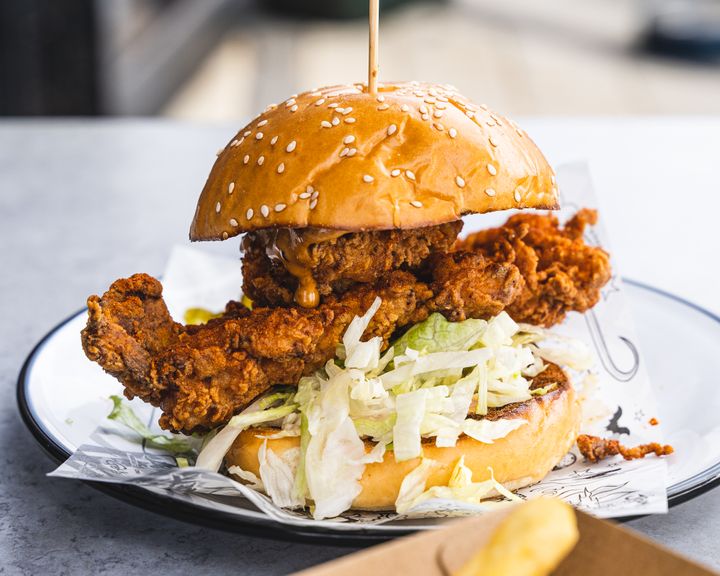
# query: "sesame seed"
{"type": "Point", "coordinates": [352, 152]}
{"type": "Point", "coordinates": [423, 109]}
{"type": "Point", "coordinates": [320, 102]}
{"type": "Point", "coordinates": [554, 190]}
{"type": "Point", "coordinates": [310, 189]}
{"type": "Point", "coordinates": [452, 132]}
{"type": "Point", "coordinates": [289, 102]}
{"type": "Point", "coordinates": [233, 143]}
{"type": "Point", "coordinates": [344, 152]}
{"type": "Point", "coordinates": [220, 151]}
{"type": "Point", "coordinates": [405, 108]}
{"type": "Point", "coordinates": [294, 108]}
{"type": "Point", "coordinates": [233, 222]}
{"type": "Point", "coordinates": [416, 203]}
{"type": "Point", "coordinates": [246, 159]}
{"type": "Point", "coordinates": [349, 139]}
{"type": "Point", "coordinates": [519, 132]}
{"type": "Point", "coordinates": [274, 140]}
{"type": "Point", "coordinates": [231, 187]}
{"type": "Point", "coordinates": [224, 235]}
{"type": "Point", "coordinates": [262, 123]}
{"type": "Point", "coordinates": [281, 168]}
{"type": "Point", "coordinates": [259, 136]}
{"type": "Point", "coordinates": [346, 111]}
{"type": "Point", "coordinates": [217, 207]}
{"type": "Point", "coordinates": [492, 141]}
{"type": "Point", "coordinates": [517, 196]}
{"type": "Point", "coordinates": [395, 172]}
{"type": "Point", "coordinates": [260, 160]}
{"type": "Point", "coordinates": [440, 105]}
{"type": "Point", "coordinates": [264, 210]}
{"type": "Point", "coordinates": [425, 116]}
{"type": "Point", "coordinates": [391, 129]}
{"type": "Point", "coordinates": [492, 169]}
{"type": "Point", "coordinates": [490, 192]}
{"type": "Point", "coordinates": [383, 107]}
{"type": "Point", "coordinates": [552, 178]}
{"type": "Point", "coordinates": [333, 105]}
{"type": "Point", "coordinates": [335, 121]}
{"type": "Point", "coordinates": [410, 174]}
{"type": "Point", "coordinates": [460, 181]}
{"type": "Point", "coordinates": [280, 207]}
{"type": "Point", "coordinates": [313, 204]}
{"type": "Point", "coordinates": [381, 98]}
{"type": "Point", "coordinates": [367, 178]}
{"type": "Point", "coordinates": [438, 113]}
{"type": "Point", "coordinates": [290, 147]}
{"type": "Point", "coordinates": [247, 133]}
{"type": "Point", "coordinates": [490, 123]}
{"type": "Point", "coordinates": [469, 114]}
{"type": "Point", "coordinates": [249, 214]}
{"type": "Point", "coordinates": [315, 194]}
{"type": "Point", "coordinates": [325, 124]}
{"type": "Point", "coordinates": [315, 93]}
{"type": "Point", "coordinates": [439, 126]}
{"type": "Point", "coordinates": [304, 195]}
{"type": "Point", "coordinates": [350, 120]}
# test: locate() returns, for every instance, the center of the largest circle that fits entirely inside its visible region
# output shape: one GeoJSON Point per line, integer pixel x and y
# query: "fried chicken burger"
{"type": "Point", "coordinates": [383, 361]}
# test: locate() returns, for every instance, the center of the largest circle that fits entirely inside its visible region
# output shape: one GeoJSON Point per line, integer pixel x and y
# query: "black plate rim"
{"type": "Point", "coordinates": [251, 526]}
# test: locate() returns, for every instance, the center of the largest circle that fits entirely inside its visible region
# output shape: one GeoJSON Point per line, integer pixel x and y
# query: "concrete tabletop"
{"type": "Point", "coordinates": [85, 202]}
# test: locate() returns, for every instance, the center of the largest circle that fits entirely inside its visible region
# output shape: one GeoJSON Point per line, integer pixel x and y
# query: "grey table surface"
{"type": "Point", "coordinates": [82, 203]}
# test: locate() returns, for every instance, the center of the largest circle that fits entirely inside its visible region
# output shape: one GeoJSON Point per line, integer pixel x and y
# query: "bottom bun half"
{"type": "Point", "coordinates": [523, 457]}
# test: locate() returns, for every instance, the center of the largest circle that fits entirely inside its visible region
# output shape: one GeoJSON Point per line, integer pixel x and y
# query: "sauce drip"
{"type": "Point", "coordinates": [292, 248]}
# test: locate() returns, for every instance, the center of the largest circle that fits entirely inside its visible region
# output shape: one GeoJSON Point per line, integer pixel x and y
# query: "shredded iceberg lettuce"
{"type": "Point", "coordinates": [277, 474]}
{"type": "Point", "coordinates": [176, 444]}
{"type": "Point", "coordinates": [460, 488]}
{"type": "Point", "coordinates": [211, 457]}
{"type": "Point", "coordinates": [487, 431]}
{"type": "Point", "coordinates": [436, 334]}
{"type": "Point", "coordinates": [425, 388]}
{"type": "Point", "coordinates": [248, 477]}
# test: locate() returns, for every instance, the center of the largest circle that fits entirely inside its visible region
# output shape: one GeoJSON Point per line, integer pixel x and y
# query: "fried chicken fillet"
{"type": "Point", "coordinates": [200, 376]}
{"type": "Point", "coordinates": [339, 263]}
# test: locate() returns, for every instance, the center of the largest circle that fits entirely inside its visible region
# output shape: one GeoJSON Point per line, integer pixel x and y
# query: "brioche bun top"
{"type": "Point", "coordinates": [414, 155]}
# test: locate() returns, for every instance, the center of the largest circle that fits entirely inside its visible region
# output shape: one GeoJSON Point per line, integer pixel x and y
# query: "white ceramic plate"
{"type": "Point", "coordinates": [63, 398]}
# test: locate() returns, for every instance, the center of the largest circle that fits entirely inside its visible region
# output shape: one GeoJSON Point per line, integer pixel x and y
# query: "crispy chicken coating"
{"type": "Point", "coordinates": [594, 449]}
{"type": "Point", "coordinates": [339, 263]}
{"type": "Point", "coordinates": [200, 376]}
{"type": "Point", "coordinates": [560, 272]}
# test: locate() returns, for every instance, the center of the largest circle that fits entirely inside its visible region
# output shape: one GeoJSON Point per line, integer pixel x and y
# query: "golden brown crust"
{"type": "Point", "coordinates": [423, 155]}
{"type": "Point", "coordinates": [337, 265]}
{"type": "Point", "coordinates": [523, 457]}
{"type": "Point", "coordinates": [594, 448]}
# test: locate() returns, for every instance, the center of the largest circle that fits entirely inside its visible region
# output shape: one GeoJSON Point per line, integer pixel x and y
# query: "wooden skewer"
{"type": "Point", "coordinates": [373, 55]}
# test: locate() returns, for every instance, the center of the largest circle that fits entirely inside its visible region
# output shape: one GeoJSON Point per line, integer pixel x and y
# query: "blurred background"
{"type": "Point", "coordinates": [227, 59]}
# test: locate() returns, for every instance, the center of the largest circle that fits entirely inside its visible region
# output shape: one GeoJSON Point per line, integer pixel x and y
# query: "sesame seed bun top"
{"type": "Point", "coordinates": [415, 154]}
